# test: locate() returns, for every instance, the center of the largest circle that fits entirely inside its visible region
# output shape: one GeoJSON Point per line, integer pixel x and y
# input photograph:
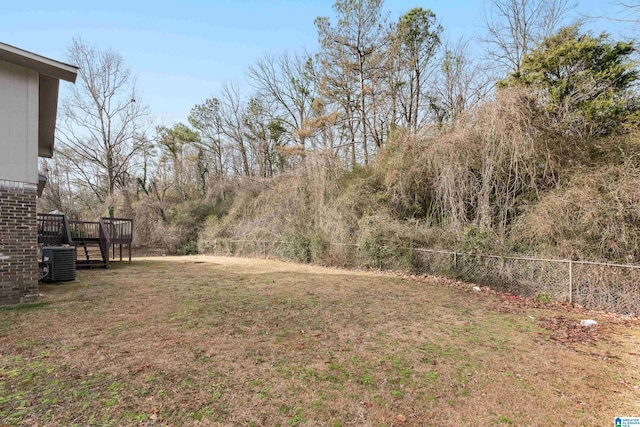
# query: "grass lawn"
{"type": "Point", "coordinates": [229, 341]}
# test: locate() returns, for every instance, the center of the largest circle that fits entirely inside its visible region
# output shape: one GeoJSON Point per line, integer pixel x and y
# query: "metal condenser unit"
{"type": "Point", "coordinates": [58, 263]}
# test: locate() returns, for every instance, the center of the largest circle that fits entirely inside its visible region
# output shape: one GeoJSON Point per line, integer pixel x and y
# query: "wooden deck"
{"type": "Point", "coordinates": [96, 242]}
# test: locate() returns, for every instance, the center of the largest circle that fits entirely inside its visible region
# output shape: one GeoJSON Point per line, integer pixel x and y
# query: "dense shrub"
{"type": "Point", "coordinates": [594, 215]}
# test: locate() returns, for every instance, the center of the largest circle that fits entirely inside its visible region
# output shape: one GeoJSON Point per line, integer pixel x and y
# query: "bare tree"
{"type": "Point", "coordinates": [350, 45]}
{"type": "Point", "coordinates": [205, 119]}
{"type": "Point", "coordinates": [337, 87]}
{"type": "Point", "coordinates": [460, 85]}
{"type": "Point", "coordinates": [417, 37]}
{"type": "Point", "coordinates": [176, 142]}
{"type": "Point", "coordinates": [626, 15]}
{"type": "Point", "coordinates": [629, 12]}
{"type": "Point", "coordinates": [103, 124]}
{"type": "Point", "coordinates": [58, 194]}
{"type": "Point", "coordinates": [287, 84]}
{"type": "Point", "coordinates": [232, 125]}
{"type": "Point", "coordinates": [515, 26]}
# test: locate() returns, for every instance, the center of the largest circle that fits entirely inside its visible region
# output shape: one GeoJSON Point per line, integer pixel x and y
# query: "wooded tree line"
{"type": "Point", "coordinates": [371, 81]}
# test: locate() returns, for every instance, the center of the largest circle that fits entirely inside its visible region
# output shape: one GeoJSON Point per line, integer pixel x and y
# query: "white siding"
{"type": "Point", "coordinates": [18, 123]}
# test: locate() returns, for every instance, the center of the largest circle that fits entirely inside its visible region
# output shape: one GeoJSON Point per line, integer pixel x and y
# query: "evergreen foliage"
{"type": "Point", "coordinates": [583, 83]}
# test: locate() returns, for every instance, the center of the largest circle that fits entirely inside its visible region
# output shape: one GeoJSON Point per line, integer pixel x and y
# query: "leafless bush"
{"type": "Point", "coordinates": [153, 230]}
{"type": "Point", "coordinates": [594, 215]}
{"type": "Point", "coordinates": [475, 174]}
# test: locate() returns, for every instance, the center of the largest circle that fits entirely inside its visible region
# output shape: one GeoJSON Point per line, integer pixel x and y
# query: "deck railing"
{"type": "Point", "coordinates": [119, 230]}
{"type": "Point", "coordinates": [56, 229]}
{"type": "Point", "coordinates": [53, 229]}
{"type": "Point", "coordinates": [84, 230]}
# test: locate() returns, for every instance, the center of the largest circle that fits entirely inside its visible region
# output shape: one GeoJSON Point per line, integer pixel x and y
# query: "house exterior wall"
{"type": "Point", "coordinates": [28, 104]}
{"type": "Point", "coordinates": [18, 243]}
{"type": "Point", "coordinates": [18, 124]}
{"type": "Point", "coordinates": [18, 183]}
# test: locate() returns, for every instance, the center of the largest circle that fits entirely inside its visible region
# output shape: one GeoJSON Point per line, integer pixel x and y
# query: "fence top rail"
{"type": "Point", "coordinates": [607, 264]}
{"type": "Point", "coordinates": [522, 258]}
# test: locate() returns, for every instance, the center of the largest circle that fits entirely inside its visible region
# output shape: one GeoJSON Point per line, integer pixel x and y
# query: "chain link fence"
{"type": "Point", "coordinates": [597, 286]}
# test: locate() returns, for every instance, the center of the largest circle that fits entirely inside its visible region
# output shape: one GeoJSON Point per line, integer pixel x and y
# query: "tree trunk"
{"type": "Point", "coordinates": [363, 117]}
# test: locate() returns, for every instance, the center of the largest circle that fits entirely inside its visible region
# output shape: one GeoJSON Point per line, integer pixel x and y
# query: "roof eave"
{"type": "Point", "coordinates": [50, 73]}
{"type": "Point", "coordinates": [41, 64]}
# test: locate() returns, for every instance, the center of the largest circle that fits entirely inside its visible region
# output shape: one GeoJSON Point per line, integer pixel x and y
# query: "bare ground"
{"type": "Point", "coordinates": [227, 341]}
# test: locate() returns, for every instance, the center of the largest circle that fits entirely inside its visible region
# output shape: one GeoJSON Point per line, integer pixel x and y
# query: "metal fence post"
{"type": "Point", "coordinates": [570, 282]}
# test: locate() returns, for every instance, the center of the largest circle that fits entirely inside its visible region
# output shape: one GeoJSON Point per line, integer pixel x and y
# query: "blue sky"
{"type": "Point", "coordinates": [182, 51]}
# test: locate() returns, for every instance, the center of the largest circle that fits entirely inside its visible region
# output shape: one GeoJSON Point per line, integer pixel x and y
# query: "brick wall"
{"type": "Point", "coordinates": [18, 242]}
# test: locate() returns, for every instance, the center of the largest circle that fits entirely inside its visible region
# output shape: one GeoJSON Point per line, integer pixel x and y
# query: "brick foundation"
{"type": "Point", "coordinates": [18, 243]}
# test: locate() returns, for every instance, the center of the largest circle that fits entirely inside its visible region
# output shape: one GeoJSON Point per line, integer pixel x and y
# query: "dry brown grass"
{"type": "Point", "coordinates": [223, 341]}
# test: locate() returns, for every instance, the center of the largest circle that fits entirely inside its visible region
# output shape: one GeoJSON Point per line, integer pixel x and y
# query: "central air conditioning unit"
{"type": "Point", "coordinates": [58, 263]}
